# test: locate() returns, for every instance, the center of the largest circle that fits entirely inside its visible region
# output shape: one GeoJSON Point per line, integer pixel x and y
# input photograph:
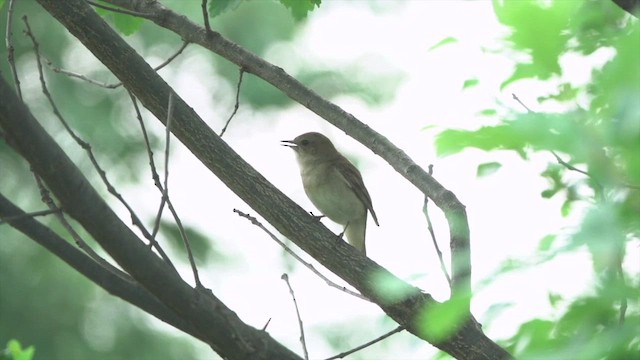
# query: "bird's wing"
{"type": "Point", "coordinates": [352, 177]}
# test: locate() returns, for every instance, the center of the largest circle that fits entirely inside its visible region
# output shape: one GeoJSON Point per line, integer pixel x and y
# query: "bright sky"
{"type": "Point", "coordinates": [506, 213]}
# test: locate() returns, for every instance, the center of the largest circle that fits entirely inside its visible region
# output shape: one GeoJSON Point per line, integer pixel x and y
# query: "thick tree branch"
{"type": "Point", "coordinates": [467, 340]}
{"type": "Point", "coordinates": [217, 325]}
{"type": "Point", "coordinates": [630, 6]}
{"type": "Point", "coordinates": [453, 209]}
{"type": "Point", "coordinates": [112, 280]}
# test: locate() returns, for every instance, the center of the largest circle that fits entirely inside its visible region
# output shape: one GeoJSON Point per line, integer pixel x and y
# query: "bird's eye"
{"type": "Point", "coordinates": [304, 142]}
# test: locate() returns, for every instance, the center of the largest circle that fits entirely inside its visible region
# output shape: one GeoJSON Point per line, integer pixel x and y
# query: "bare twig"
{"type": "Point", "coordinates": [264, 328]}
{"type": "Point", "coordinates": [84, 145]}
{"type": "Point", "coordinates": [237, 104]}
{"type": "Point", "coordinates": [8, 219]}
{"type": "Point", "coordinates": [152, 163]}
{"type": "Point", "coordinates": [378, 339]}
{"type": "Point", "coordinates": [569, 166]}
{"type": "Point", "coordinates": [46, 198]}
{"type": "Point", "coordinates": [255, 222]}
{"type": "Point", "coordinates": [121, 11]}
{"type": "Point", "coordinates": [172, 57]}
{"type": "Point", "coordinates": [165, 193]}
{"type": "Point", "coordinates": [558, 158]}
{"type": "Point", "coordinates": [516, 98]}
{"type": "Point", "coordinates": [425, 211]}
{"type": "Point", "coordinates": [10, 49]}
{"type": "Point", "coordinates": [285, 277]}
{"type": "Point", "coordinates": [80, 76]}
{"type": "Point", "coordinates": [114, 85]}
{"type": "Point", "coordinates": [205, 15]}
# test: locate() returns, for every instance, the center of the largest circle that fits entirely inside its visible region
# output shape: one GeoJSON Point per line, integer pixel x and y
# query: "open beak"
{"type": "Point", "coordinates": [289, 143]}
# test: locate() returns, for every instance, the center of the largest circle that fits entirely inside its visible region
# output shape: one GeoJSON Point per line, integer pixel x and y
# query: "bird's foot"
{"type": "Point", "coordinates": [317, 217]}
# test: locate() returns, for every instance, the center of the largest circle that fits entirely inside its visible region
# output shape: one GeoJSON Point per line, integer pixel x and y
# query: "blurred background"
{"type": "Point", "coordinates": [433, 77]}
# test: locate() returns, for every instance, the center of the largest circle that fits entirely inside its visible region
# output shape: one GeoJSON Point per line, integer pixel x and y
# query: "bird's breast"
{"type": "Point", "coordinates": [330, 193]}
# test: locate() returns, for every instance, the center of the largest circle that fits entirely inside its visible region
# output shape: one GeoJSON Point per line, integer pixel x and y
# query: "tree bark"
{"type": "Point", "coordinates": [219, 326]}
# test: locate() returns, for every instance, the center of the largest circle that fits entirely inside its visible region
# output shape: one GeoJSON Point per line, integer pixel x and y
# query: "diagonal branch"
{"type": "Point", "coordinates": [466, 339]}
{"type": "Point", "coordinates": [217, 325]}
{"type": "Point", "coordinates": [446, 200]}
{"type": "Point", "coordinates": [111, 279]}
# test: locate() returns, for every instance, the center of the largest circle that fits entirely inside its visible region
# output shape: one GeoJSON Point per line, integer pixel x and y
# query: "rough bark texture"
{"type": "Point", "coordinates": [215, 322]}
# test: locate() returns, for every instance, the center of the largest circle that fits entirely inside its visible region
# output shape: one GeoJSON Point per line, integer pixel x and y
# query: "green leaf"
{"type": "Point", "coordinates": [388, 288]}
{"type": "Point", "coordinates": [126, 24]}
{"type": "Point", "coordinates": [217, 7]}
{"type": "Point", "coordinates": [603, 233]}
{"type": "Point", "coordinates": [445, 41]}
{"type": "Point", "coordinates": [554, 299]}
{"type": "Point", "coordinates": [1, 4]}
{"type": "Point", "coordinates": [529, 131]}
{"type": "Point", "coordinates": [300, 8]}
{"type": "Point", "coordinates": [488, 168]}
{"type": "Point", "coordinates": [488, 112]}
{"type": "Point", "coordinates": [538, 29]}
{"type": "Point", "coordinates": [16, 352]}
{"type": "Point", "coordinates": [470, 83]}
{"type": "Point", "coordinates": [546, 243]}
{"type": "Point", "coordinates": [548, 193]}
{"type": "Point", "coordinates": [438, 322]}
{"type": "Point", "coordinates": [566, 92]}
{"type": "Point", "coordinates": [565, 209]}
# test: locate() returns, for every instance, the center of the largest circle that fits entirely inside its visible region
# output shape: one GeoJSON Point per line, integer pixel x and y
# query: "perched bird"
{"type": "Point", "coordinates": [333, 185]}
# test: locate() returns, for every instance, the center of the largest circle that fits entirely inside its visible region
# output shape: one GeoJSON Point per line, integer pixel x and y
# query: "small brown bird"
{"type": "Point", "coordinates": [333, 185]}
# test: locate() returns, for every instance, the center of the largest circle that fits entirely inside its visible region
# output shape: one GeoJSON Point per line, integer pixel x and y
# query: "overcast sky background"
{"type": "Point", "coordinates": [507, 216]}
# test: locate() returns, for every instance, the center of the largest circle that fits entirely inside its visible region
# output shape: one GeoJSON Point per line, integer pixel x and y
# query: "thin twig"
{"type": "Point", "coordinates": [152, 163]}
{"type": "Point", "coordinates": [114, 85]}
{"type": "Point", "coordinates": [264, 328]}
{"type": "Point", "coordinates": [205, 15]}
{"type": "Point", "coordinates": [569, 166]}
{"type": "Point", "coordinates": [255, 222]}
{"type": "Point", "coordinates": [121, 11]}
{"type": "Point", "coordinates": [165, 193]}
{"type": "Point", "coordinates": [10, 49]}
{"type": "Point", "coordinates": [80, 76]}
{"type": "Point", "coordinates": [425, 211]}
{"type": "Point", "coordinates": [237, 105]}
{"type": "Point", "coordinates": [46, 198]}
{"type": "Point", "coordinates": [516, 98]}
{"type": "Point", "coordinates": [172, 57]}
{"type": "Point", "coordinates": [84, 145]}
{"type": "Point", "coordinates": [378, 339]}
{"type": "Point", "coordinates": [8, 219]}
{"type": "Point", "coordinates": [558, 158]}
{"type": "Point", "coordinates": [285, 277]}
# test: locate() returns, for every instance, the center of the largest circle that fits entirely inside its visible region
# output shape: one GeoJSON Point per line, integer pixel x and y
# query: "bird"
{"type": "Point", "coordinates": [334, 185]}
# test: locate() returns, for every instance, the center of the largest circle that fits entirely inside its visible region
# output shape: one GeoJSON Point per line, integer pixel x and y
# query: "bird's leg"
{"type": "Point", "coordinates": [343, 231]}
{"type": "Point", "coordinates": [317, 217]}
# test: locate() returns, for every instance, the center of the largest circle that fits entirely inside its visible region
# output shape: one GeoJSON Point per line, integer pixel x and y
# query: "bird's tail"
{"type": "Point", "coordinates": [355, 232]}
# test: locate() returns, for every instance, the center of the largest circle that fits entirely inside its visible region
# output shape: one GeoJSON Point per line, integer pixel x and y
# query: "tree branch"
{"type": "Point", "coordinates": [111, 279]}
{"type": "Point", "coordinates": [217, 325]}
{"type": "Point", "coordinates": [630, 6]}
{"type": "Point", "coordinates": [289, 218]}
{"type": "Point", "coordinates": [446, 200]}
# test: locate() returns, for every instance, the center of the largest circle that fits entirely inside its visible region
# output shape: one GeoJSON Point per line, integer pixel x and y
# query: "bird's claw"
{"type": "Point", "coordinates": [317, 217]}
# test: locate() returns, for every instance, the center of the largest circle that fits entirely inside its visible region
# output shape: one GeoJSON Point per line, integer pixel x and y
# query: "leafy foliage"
{"type": "Point", "coordinates": [14, 350]}
{"type": "Point", "coordinates": [299, 8]}
{"type": "Point", "coordinates": [598, 142]}
{"type": "Point", "coordinates": [126, 24]}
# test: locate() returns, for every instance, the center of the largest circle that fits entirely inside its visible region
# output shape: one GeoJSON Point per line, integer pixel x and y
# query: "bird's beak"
{"type": "Point", "coordinates": [289, 143]}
